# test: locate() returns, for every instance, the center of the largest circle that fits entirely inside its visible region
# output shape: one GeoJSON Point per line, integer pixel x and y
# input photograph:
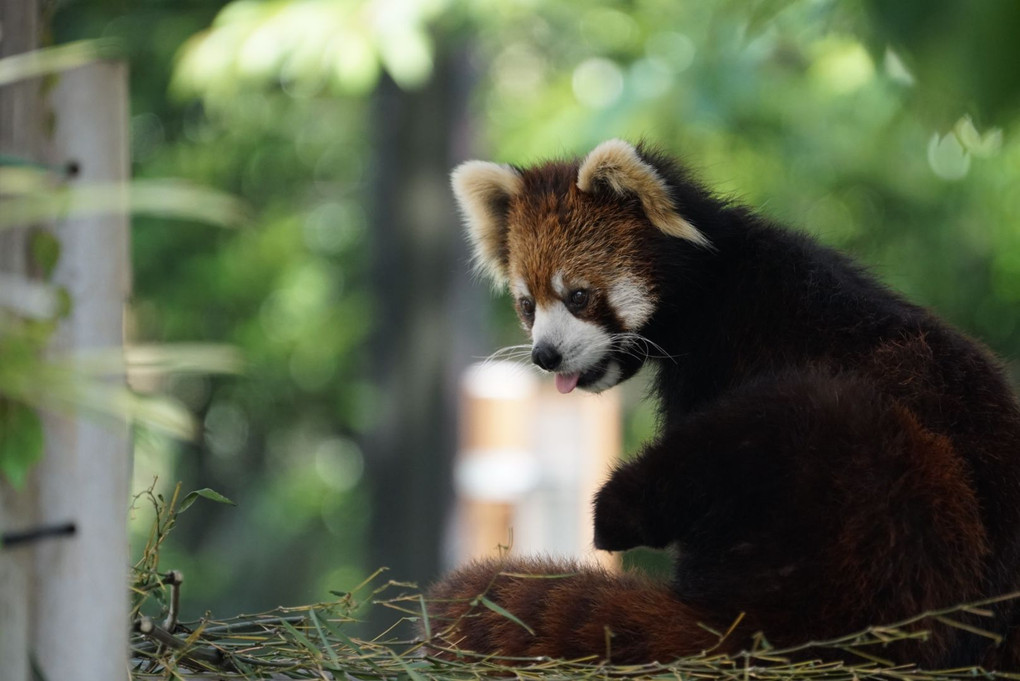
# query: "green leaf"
{"type": "Point", "coordinates": [425, 617]}
{"type": "Point", "coordinates": [53, 59]}
{"type": "Point", "coordinates": [303, 640]}
{"type": "Point", "coordinates": [947, 157]}
{"type": "Point", "coordinates": [64, 303]}
{"type": "Point", "coordinates": [21, 441]}
{"type": "Point", "coordinates": [205, 493]}
{"type": "Point", "coordinates": [173, 199]}
{"type": "Point", "coordinates": [334, 660]}
{"type": "Point", "coordinates": [500, 610]}
{"type": "Point", "coordinates": [411, 673]}
{"type": "Point", "coordinates": [45, 250]}
{"type": "Point", "coordinates": [973, 141]}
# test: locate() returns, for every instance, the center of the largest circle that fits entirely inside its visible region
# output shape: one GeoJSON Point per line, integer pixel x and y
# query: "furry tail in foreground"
{"type": "Point", "coordinates": [540, 608]}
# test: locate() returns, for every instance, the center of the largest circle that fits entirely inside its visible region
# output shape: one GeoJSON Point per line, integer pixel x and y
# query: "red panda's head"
{"type": "Point", "coordinates": [572, 242]}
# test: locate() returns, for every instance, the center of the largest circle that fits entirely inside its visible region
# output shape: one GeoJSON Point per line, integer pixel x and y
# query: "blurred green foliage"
{"type": "Point", "coordinates": [63, 379]}
{"type": "Point", "coordinates": [887, 129]}
{"type": "Point", "coordinates": [278, 442]}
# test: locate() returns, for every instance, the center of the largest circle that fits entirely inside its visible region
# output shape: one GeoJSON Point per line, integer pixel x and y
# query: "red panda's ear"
{"type": "Point", "coordinates": [483, 191]}
{"type": "Point", "coordinates": [617, 165]}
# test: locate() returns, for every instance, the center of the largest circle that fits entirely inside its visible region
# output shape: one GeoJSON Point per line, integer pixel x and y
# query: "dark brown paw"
{"type": "Point", "coordinates": [620, 517]}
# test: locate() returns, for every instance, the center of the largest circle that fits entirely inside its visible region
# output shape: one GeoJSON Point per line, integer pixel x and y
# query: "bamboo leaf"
{"type": "Point", "coordinates": [205, 493]}
{"type": "Point", "coordinates": [500, 610]}
{"type": "Point", "coordinates": [411, 673]}
{"type": "Point", "coordinates": [79, 382]}
{"type": "Point", "coordinates": [426, 624]}
{"type": "Point", "coordinates": [971, 628]}
{"type": "Point", "coordinates": [53, 59]}
{"type": "Point", "coordinates": [174, 199]}
{"type": "Point", "coordinates": [301, 639]}
{"type": "Point", "coordinates": [334, 660]}
{"type": "Point", "coordinates": [206, 358]}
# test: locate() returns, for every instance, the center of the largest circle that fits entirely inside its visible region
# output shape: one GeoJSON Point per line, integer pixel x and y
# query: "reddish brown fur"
{"type": "Point", "coordinates": [586, 238]}
{"type": "Point", "coordinates": [573, 611]}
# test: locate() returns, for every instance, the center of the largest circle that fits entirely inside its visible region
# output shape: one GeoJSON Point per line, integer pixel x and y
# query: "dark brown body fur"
{"type": "Point", "coordinates": [831, 457]}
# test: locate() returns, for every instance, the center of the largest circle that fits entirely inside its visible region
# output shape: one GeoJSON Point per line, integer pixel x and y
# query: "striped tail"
{"type": "Point", "coordinates": [538, 608]}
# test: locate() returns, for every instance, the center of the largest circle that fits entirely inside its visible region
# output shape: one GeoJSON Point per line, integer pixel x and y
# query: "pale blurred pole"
{"type": "Point", "coordinates": [80, 628]}
{"type": "Point", "coordinates": [529, 464]}
{"type": "Point", "coordinates": [63, 601]}
{"type": "Point", "coordinates": [21, 134]}
{"type": "Point", "coordinates": [578, 439]}
{"type": "Point", "coordinates": [495, 466]}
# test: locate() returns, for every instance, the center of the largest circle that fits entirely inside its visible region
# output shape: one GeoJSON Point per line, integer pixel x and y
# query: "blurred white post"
{"type": "Point", "coordinates": [81, 604]}
{"type": "Point", "coordinates": [577, 439]}
{"type": "Point", "coordinates": [495, 466]}
{"type": "Point", "coordinates": [530, 463]}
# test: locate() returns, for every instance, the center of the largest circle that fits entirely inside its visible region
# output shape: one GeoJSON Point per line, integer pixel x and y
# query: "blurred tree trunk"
{"type": "Point", "coordinates": [21, 135]}
{"type": "Point", "coordinates": [427, 316]}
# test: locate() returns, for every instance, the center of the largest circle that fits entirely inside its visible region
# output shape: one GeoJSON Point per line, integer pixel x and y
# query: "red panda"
{"type": "Point", "coordinates": [830, 456]}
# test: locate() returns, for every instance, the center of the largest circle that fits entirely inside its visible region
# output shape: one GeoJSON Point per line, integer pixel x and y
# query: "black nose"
{"type": "Point", "coordinates": [546, 356]}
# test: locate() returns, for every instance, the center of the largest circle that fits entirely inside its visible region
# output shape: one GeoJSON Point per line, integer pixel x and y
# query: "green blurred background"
{"type": "Point", "coordinates": [885, 128]}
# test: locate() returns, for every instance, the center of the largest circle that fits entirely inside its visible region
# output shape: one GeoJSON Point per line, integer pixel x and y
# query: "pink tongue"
{"type": "Point", "coordinates": [566, 382]}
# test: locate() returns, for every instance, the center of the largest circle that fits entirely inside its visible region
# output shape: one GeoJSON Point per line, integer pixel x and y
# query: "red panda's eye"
{"type": "Point", "coordinates": [527, 307]}
{"type": "Point", "coordinates": [578, 299]}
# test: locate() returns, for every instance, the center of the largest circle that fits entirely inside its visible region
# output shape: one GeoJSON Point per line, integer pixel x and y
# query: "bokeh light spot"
{"type": "Point", "coordinates": [597, 83]}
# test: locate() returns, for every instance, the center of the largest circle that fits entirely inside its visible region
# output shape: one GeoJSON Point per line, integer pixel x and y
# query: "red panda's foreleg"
{"type": "Point", "coordinates": [812, 502]}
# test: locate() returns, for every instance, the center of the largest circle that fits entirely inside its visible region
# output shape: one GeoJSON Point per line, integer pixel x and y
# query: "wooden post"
{"type": "Point", "coordinates": [63, 602]}
{"type": "Point", "coordinates": [80, 627]}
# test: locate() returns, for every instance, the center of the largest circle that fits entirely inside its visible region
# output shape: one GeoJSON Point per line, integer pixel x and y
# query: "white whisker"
{"type": "Point", "coordinates": [628, 343]}
{"type": "Point", "coordinates": [513, 354]}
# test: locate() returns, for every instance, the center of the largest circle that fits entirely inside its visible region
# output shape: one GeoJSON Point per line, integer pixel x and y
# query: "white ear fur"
{"type": "Point", "coordinates": [483, 190]}
{"type": "Point", "coordinates": [617, 164]}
